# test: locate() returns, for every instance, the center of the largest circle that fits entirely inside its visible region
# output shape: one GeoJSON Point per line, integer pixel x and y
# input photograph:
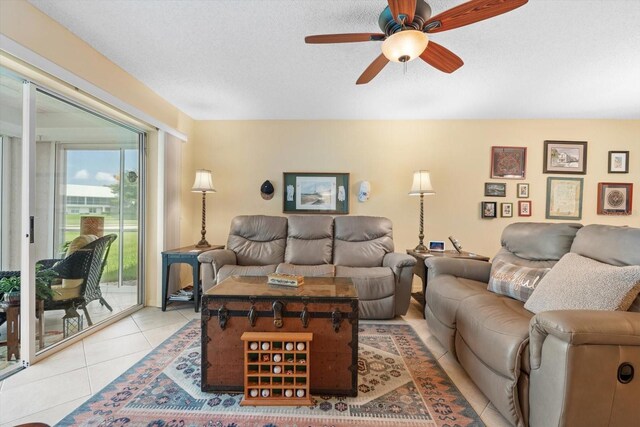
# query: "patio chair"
{"type": "Point", "coordinates": [87, 264]}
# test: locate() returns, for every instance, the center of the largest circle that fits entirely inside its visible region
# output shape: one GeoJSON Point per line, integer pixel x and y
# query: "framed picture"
{"type": "Point", "coordinates": [618, 162]}
{"type": "Point", "coordinates": [506, 210]}
{"type": "Point", "coordinates": [310, 192]}
{"type": "Point", "coordinates": [524, 208]}
{"type": "Point", "coordinates": [436, 246]}
{"type": "Point", "coordinates": [508, 162]}
{"type": "Point", "coordinates": [488, 210]}
{"type": "Point", "coordinates": [523, 191]}
{"type": "Point", "coordinates": [565, 157]}
{"type": "Point", "coordinates": [614, 198]}
{"type": "Point", "coordinates": [564, 198]}
{"type": "Point", "coordinates": [495, 189]}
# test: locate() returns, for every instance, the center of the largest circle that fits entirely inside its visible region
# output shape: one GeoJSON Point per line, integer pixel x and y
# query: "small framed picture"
{"type": "Point", "coordinates": [615, 198]}
{"type": "Point", "coordinates": [523, 191]}
{"type": "Point", "coordinates": [618, 162]}
{"type": "Point", "coordinates": [508, 162]}
{"type": "Point", "coordinates": [436, 246]}
{"type": "Point", "coordinates": [506, 210]}
{"type": "Point", "coordinates": [524, 208]}
{"type": "Point", "coordinates": [495, 189]}
{"type": "Point", "coordinates": [565, 157]}
{"type": "Point", "coordinates": [488, 209]}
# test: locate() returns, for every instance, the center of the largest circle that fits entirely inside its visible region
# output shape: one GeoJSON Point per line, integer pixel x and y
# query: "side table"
{"type": "Point", "coordinates": [186, 255]}
{"type": "Point", "coordinates": [420, 268]}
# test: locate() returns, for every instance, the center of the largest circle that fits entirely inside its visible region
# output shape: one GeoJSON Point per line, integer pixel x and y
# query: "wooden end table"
{"type": "Point", "coordinates": [420, 268]}
{"type": "Point", "coordinates": [186, 255]}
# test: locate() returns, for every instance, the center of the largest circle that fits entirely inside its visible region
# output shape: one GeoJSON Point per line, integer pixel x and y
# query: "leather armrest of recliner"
{"type": "Point", "coordinates": [397, 261]}
{"type": "Point", "coordinates": [402, 267]}
{"type": "Point", "coordinates": [212, 261]}
{"type": "Point", "coordinates": [583, 327]}
{"type": "Point", "coordinates": [472, 269]}
{"type": "Point", "coordinates": [218, 257]}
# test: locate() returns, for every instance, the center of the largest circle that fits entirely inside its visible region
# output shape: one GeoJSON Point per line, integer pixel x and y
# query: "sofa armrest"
{"type": "Point", "coordinates": [580, 371]}
{"type": "Point", "coordinates": [211, 262]}
{"type": "Point", "coordinates": [472, 269]}
{"type": "Point", "coordinates": [397, 261]}
{"type": "Point", "coordinates": [402, 267]}
{"type": "Point", "coordinates": [583, 327]}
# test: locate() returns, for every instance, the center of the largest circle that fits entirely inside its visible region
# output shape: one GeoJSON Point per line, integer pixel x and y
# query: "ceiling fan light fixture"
{"type": "Point", "coordinates": [405, 46]}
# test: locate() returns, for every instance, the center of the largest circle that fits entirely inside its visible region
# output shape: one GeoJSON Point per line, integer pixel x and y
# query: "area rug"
{"type": "Point", "coordinates": [400, 384]}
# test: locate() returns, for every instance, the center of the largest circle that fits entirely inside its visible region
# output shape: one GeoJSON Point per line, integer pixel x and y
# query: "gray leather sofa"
{"type": "Point", "coordinates": [556, 368]}
{"type": "Point", "coordinates": [360, 247]}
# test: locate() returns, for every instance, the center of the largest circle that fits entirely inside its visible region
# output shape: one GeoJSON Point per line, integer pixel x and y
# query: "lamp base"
{"type": "Point", "coordinates": [421, 248]}
{"type": "Point", "coordinates": [203, 244]}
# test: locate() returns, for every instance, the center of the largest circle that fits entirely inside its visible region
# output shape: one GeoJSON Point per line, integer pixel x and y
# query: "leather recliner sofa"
{"type": "Point", "coordinates": [359, 247]}
{"type": "Point", "coordinates": [555, 368]}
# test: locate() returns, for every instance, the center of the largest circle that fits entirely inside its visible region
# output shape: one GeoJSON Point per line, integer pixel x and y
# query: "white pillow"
{"type": "Point", "coordinates": [580, 283]}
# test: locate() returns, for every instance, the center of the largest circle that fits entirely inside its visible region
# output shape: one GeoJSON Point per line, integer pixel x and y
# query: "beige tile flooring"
{"type": "Point", "coordinates": [49, 390]}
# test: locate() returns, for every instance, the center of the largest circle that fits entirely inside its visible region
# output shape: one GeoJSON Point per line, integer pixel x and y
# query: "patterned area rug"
{"type": "Point", "coordinates": [399, 384]}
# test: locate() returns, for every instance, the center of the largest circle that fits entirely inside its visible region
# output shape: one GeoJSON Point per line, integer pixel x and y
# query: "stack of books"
{"type": "Point", "coordinates": [285, 280]}
{"type": "Point", "coordinates": [184, 294]}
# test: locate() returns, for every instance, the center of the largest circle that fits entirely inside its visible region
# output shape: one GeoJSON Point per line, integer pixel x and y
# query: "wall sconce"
{"type": "Point", "coordinates": [364, 192]}
{"type": "Point", "coordinates": [203, 183]}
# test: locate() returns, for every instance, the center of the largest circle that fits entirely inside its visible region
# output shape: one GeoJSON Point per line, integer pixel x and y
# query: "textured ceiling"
{"type": "Point", "coordinates": [248, 60]}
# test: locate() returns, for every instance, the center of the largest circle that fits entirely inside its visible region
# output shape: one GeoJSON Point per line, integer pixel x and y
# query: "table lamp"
{"type": "Point", "coordinates": [421, 186]}
{"type": "Point", "coordinates": [203, 183]}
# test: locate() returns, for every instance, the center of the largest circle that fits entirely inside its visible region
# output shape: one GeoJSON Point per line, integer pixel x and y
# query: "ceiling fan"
{"type": "Point", "coordinates": [406, 23]}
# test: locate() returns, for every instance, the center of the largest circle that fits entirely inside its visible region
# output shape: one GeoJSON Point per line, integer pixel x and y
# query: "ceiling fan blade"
{"type": "Point", "coordinates": [373, 69]}
{"type": "Point", "coordinates": [441, 58]}
{"type": "Point", "coordinates": [470, 12]}
{"type": "Point", "coordinates": [344, 38]}
{"type": "Point", "coordinates": [402, 7]}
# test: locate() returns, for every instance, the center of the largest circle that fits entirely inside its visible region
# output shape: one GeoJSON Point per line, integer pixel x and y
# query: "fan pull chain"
{"type": "Point", "coordinates": [404, 67]}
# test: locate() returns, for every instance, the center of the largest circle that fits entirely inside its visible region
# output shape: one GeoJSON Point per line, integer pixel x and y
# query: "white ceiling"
{"type": "Point", "coordinates": [247, 59]}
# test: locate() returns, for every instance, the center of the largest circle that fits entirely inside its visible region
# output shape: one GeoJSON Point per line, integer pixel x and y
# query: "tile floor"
{"type": "Point", "coordinates": [51, 389]}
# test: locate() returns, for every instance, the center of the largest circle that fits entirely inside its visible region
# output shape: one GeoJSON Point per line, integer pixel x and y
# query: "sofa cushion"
{"type": "Point", "coordinates": [372, 283]}
{"type": "Point", "coordinates": [496, 329]}
{"type": "Point", "coordinates": [580, 283]}
{"type": "Point", "coordinates": [321, 270]}
{"type": "Point", "coordinates": [309, 240]}
{"type": "Point", "coordinates": [245, 270]}
{"type": "Point", "coordinates": [610, 244]}
{"type": "Point", "coordinates": [513, 280]}
{"type": "Point", "coordinates": [539, 241]}
{"type": "Point", "coordinates": [258, 239]}
{"type": "Point", "coordinates": [444, 294]}
{"type": "Point", "coordinates": [361, 241]}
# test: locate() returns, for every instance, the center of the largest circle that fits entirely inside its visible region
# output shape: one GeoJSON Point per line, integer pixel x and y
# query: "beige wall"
{"type": "Point", "coordinates": [242, 154]}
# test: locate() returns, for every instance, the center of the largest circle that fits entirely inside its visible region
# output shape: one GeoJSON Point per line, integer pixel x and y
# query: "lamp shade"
{"type": "Point", "coordinates": [203, 182]}
{"type": "Point", "coordinates": [405, 46]}
{"type": "Point", "coordinates": [421, 184]}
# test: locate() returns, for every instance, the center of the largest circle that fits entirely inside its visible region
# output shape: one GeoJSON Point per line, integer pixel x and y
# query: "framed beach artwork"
{"type": "Point", "coordinates": [311, 192]}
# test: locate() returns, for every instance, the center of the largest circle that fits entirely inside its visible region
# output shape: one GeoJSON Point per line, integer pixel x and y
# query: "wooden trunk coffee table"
{"type": "Point", "coordinates": [327, 307]}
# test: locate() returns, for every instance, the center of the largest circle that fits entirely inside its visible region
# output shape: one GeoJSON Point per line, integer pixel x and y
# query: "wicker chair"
{"type": "Point", "coordinates": [87, 263]}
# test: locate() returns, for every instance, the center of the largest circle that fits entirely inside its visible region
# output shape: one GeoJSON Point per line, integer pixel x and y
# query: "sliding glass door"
{"type": "Point", "coordinates": [70, 217]}
{"type": "Point", "coordinates": [87, 210]}
{"type": "Point", "coordinates": [10, 215]}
